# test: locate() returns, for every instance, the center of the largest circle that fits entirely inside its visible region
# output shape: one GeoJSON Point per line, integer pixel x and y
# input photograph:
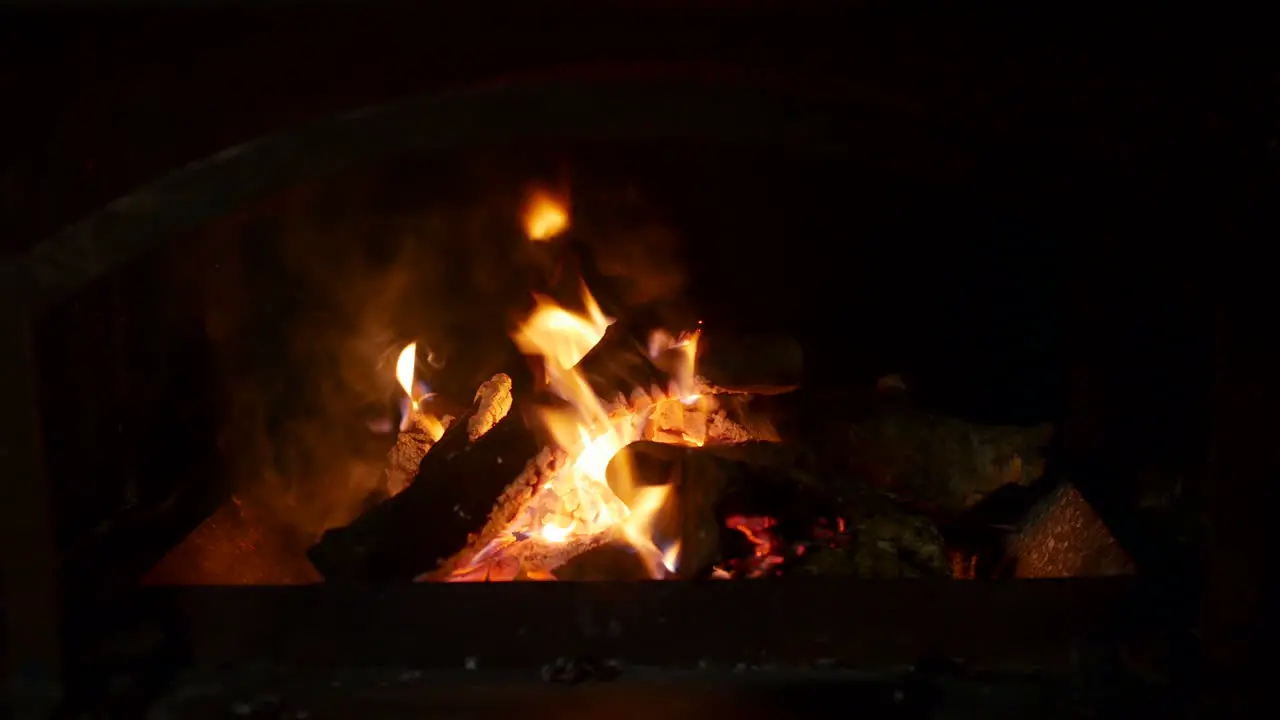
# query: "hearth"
{"type": "Point", "coordinates": [659, 376]}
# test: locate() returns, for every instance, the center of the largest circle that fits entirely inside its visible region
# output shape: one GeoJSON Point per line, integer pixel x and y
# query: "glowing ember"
{"type": "Point", "coordinates": [545, 217]}
{"type": "Point", "coordinates": [766, 547]}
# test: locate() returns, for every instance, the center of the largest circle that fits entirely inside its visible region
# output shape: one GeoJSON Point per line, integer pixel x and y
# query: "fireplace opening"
{"type": "Point", "coordinates": [578, 361]}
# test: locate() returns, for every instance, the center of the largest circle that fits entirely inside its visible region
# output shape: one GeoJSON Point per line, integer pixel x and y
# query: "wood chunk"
{"type": "Point", "coordinates": [620, 363]}
{"type": "Point", "coordinates": [710, 483]}
{"type": "Point", "coordinates": [615, 561]}
{"type": "Point", "coordinates": [462, 486]}
{"type": "Point", "coordinates": [536, 472]}
{"type": "Point", "coordinates": [943, 464]}
{"type": "Point", "coordinates": [493, 402]}
{"type": "Point", "coordinates": [1064, 537]}
{"type": "Point", "coordinates": [753, 364]}
{"type": "Point", "coordinates": [421, 432]}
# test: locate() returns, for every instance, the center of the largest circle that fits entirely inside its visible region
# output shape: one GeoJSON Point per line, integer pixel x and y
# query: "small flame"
{"type": "Point", "coordinates": [686, 348]}
{"type": "Point", "coordinates": [545, 216]}
{"type": "Point", "coordinates": [404, 370]}
{"type": "Point", "coordinates": [671, 557]}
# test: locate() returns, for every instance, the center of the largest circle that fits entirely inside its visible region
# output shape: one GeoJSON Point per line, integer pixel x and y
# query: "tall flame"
{"type": "Point", "coordinates": [579, 500]}
{"type": "Point", "coordinates": [404, 370]}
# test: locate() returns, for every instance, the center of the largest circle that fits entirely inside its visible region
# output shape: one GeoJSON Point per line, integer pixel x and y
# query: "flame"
{"type": "Point", "coordinates": [404, 370]}
{"type": "Point", "coordinates": [578, 504]}
{"type": "Point", "coordinates": [414, 392]}
{"type": "Point", "coordinates": [685, 348]}
{"type": "Point", "coordinates": [545, 216]}
{"type": "Point", "coordinates": [671, 557]}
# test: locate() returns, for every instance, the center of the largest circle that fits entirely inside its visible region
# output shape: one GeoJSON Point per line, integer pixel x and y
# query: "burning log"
{"type": "Point", "coordinates": [478, 475]}
{"type": "Point", "coordinates": [749, 365]}
{"type": "Point", "coordinates": [619, 364]}
{"type": "Point", "coordinates": [713, 484]}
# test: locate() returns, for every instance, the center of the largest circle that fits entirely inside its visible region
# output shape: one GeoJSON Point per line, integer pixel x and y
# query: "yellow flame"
{"type": "Point", "coordinates": [404, 370]}
{"type": "Point", "coordinates": [671, 557]}
{"type": "Point", "coordinates": [545, 216]}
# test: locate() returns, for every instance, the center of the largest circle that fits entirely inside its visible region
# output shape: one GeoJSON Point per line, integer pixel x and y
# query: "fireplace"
{"type": "Point", "coordinates": [661, 376]}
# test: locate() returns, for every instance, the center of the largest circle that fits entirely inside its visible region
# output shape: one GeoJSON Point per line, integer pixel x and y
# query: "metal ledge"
{"type": "Point", "coordinates": [792, 623]}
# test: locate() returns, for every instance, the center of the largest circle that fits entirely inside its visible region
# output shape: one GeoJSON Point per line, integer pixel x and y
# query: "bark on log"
{"type": "Point", "coordinates": [460, 486]}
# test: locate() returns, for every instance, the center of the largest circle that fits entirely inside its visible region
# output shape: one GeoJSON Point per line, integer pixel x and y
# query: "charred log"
{"type": "Point", "coordinates": [613, 561]}
{"type": "Point", "coordinates": [941, 464]}
{"type": "Point", "coordinates": [758, 365]}
{"type": "Point", "coordinates": [712, 485]}
{"type": "Point", "coordinates": [622, 362]}
{"type": "Point", "coordinates": [466, 479]}
{"type": "Point", "coordinates": [619, 364]}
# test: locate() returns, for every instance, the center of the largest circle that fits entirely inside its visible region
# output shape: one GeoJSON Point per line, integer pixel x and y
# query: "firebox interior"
{"type": "Point", "coordinates": [249, 367]}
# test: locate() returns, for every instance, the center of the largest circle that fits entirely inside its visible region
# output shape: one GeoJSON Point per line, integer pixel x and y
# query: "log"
{"type": "Point", "coordinates": [752, 364]}
{"type": "Point", "coordinates": [614, 561]}
{"type": "Point", "coordinates": [619, 364]}
{"type": "Point", "coordinates": [1063, 536]}
{"type": "Point", "coordinates": [713, 483]}
{"type": "Point", "coordinates": [942, 464]}
{"type": "Point", "coordinates": [469, 480]}
{"type": "Point", "coordinates": [421, 431]}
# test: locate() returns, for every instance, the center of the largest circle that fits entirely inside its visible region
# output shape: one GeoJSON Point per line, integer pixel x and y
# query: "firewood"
{"type": "Point", "coordinates": [752, 364]}
{"type": "Point", "coordinates": [712, 483]}
{"type": "Point", "coordinates": [755, 365]}
{"type": "Point", "coordinates": [1063, 536]}
{"type": "Point", "coordinates": [421, 431]}
{"type": "Point", "coordinates": [466, 482]}
{"type": "Point", "coordinates": [619, 364]}
{"type": "Point", "coordinates": [615, 561]}
{"type": "Point", "coordinates": [942, 464]}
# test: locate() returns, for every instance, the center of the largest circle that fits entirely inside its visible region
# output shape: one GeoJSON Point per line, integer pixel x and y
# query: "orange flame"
{"type": "Point", "coordinates": [545, 216]}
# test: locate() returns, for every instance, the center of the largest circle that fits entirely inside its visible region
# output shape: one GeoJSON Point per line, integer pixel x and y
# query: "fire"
{"type": "Point", "coordinates": [544, 217]}
{"type": "Point", "coordinates": [578, 505]}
